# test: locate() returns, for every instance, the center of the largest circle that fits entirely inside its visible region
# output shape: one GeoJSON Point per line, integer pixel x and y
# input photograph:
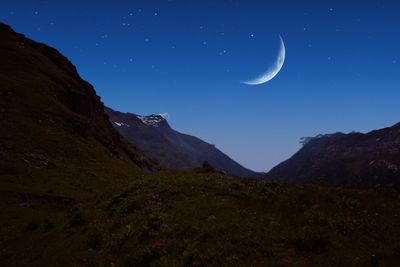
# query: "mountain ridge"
{"type": "Point", "coordinates": [370, 159]}
{"type": "Point", "coordinates": [171, 148]}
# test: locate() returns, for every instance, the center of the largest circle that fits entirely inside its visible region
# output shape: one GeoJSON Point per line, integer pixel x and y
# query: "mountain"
{"type": "Point", "coordinates": [360, 159]}
{"type": "Point", "coordinates": [73, 192]}
{"type": "Point", "coordinates": [53, 121]}
{"type": "Point", "coordinates": [59, 154]}
{"type": "Point", "coordinates": [172, 149]}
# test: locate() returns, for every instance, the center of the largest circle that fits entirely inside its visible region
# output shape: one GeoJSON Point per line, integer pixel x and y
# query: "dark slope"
{"type": "Point", "coordinates": [58, 153]}
{"type": "Point", "coordinates": [172, 149]}
{"type": "Point", "coordinates": [355, 158]}
{"type": "Point", "coordinates": [52, 122]}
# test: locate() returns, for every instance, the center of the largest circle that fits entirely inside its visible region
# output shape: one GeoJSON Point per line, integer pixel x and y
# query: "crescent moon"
{"type": "Point", "coordinates": [273, 70]}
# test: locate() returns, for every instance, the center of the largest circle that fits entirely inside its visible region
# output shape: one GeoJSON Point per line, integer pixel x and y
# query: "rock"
{"type": "Point", "coordinates": [233, 257]}
{"type": "Point", "coordinates": [208, 167]}
{"type": "Point", "coordinates": [25, 205]}
{"type": "Point", "coordinates": [36, 160]}
{"type": "Point", "coordinates": [156, 225]}
{"type": "Point", "coordinates": [6, 93]}
{"type": "Point", "coordinates": [156, 198]}
{"type": "Point", "coordinates": [92, 174]}
{"type": "Point", "coordinates": [195, 228]}
{"type": "Point", "coordinates": [158, 245]}
{"type": "Point", "coordinates": [211, 218]}
{"type": "Point", "coordinates": [223, 173]}
{"type": "Point", "coordinates": [196, 263]}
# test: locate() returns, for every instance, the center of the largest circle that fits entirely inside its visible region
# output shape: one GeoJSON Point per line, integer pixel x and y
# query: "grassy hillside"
{"type": "Point", "coordinates": [56, 144]}
{"type": "Point", "coordinates": [202, 219]}
{"type": "Point", "coordinates": [53, 123]}
{"type": "Point", "coordinates": [74, 193]}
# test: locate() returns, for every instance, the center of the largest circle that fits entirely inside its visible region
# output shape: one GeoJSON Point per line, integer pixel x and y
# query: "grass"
{"type": "Point", "coordinates": [204, 219]}
{"type": "Point", "coordinates": [71, 195]}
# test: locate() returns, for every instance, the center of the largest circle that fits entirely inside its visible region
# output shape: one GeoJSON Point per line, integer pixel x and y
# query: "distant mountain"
{"type": "Point", "coordinates": [172, 149]}
{"type": "Point", "coordinates": [355, 158]}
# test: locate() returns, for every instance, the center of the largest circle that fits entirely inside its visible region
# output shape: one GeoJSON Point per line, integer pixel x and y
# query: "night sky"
{"type": "Point", "coordinates": [187, 58]}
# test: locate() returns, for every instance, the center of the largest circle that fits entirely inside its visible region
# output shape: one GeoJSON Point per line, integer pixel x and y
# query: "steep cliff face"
{"type": "Point", "coordinates": [50, 118]}
{"type": "Point", "coordinates": [355, 158]}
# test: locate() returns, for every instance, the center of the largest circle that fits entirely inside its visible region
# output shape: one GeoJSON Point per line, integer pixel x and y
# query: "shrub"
{"type": "Point", "coordinates": [94, 241]}
{"type": "Point", "coordinates": [48, 225]}
{"type": "Point", "coordinates": [77, 221]}
{"type": "Point", "coordinates": [311, 239]}
{"type": "Point", "coordinates": [32, 226]}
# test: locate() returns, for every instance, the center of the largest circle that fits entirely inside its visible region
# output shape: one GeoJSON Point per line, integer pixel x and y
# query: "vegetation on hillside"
{"type": "Point", "coordinates": [198, 218]}
{"type": "Point", "coordinates": [75, 193]}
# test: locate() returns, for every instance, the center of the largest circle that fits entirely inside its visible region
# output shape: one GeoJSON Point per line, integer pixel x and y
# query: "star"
{"type": "Point", "coordinates": [36, 12]}
{"type": "Point", "coordinates": [252, 35]}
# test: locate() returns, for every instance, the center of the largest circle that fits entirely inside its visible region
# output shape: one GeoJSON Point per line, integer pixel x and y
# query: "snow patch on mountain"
{"type": "Point", "coordinates": [121, 124]}
{"type": "Point", "coordinates": [152, 120]}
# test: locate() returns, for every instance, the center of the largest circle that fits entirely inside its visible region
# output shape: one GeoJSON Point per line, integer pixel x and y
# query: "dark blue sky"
{"type": "Point", "coordinates": [187, 58]}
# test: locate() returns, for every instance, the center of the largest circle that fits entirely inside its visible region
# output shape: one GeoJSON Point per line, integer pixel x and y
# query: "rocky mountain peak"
{"type": "Point", "coordinates": [152, 120]}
